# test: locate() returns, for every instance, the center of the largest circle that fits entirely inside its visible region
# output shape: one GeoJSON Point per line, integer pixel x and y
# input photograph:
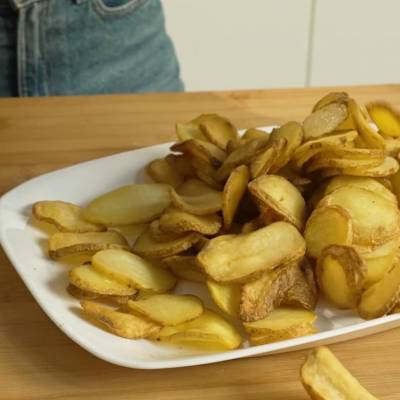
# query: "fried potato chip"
{"type": "Point", "coordinates": [361, 182]}
{"type": "Point", "coordinates": [208, 328]}
{"type": "Point", "coordinates": [341, 274]}
{"type": "Point", "coordinates": [308, 149]}
{"type": "Point", "coordinates": [378, 250]}
{"type": "Point", "coordinates": [67, 217]}
{"type": "Point", "coordinates": [382, 296]}
{"type": "Point", "coordinates": [324, 120]}
{"type": "Point", "coordinates": [206, 173]}
{"type": "Point", "coordinates": [254, 133]}
{"type": "Point", "coordinates": [369, 135]}
{"type": "Point", "coordinates": [377, 267]}
{"type": "Point", "coordinates": [162, 171]}
{"type": "Point", "coordinates": [202, 150]}
{"type": "Point", "coordinates": [131, 204]}
{"type": "Point", "coordinates": [129, 232]}
{"type": "Point", "coordinates": [325, 378]}
{"type": "Point", "coordinates": [122, 324]}
{"type": "Point", "coordinates": [185, 267]}
{"type": "Point", "coordinates": [81, 294]}
{"type": "Point", "coordinates": [195, 197]}
{"type": "Point", "coordinates": [252, 225]}
{"type": "Point", "coordinates": [178, 221]}
{"type": "Point", "coordinates": [182, 164]}
{"type": "Point", "coordinates": [219, 131]}
{"type": "Point", "coordinates": [85, 277]}
{"type": "Point", "coordinates": [327, 225]}
{"type": "Point", "coordinates": [168, 309]}
{"type": "Point", "coordinates": [191, 129]}
{"type": "Point", "coordinates": [61, 244]}
{"type": "Point", "coordinates": [110, 299]}
{"type": "Point", "coordinates": [230, 258]}
{"type": "Point", "coordinates": [395, 181]}
{"type": "Point", "coordinates": [277, 193]}
{"type": "Point", "coordinates": [132, 270]}
{"type": "Point", "coordinates": [234, 189]}
{"type": "Point", "coordinates": [332, 97]}
{"type": "Point", "coordinates": [385, 118]}
{"type": "Point", "coordinates": [159, 235]}
{"type": "Point", "coordinates": [146, 246]}
{"type": "Point", "coordinates": [375, 220]}
{"type": "Point", "coordinates": [282, 324]}
{"type": "Point", "coordinates": [201, 243]}
{"type": "Point", "coordinates": [225, 296]}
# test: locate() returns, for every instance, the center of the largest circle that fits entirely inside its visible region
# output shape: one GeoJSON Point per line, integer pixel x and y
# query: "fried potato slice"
{"type": "Point", "coordinates": [375, 220]}
{"type": "Point", "coordinates": [182, 164]}
{"type": "Point", "coordinates": [377, 267]}
{"type": "Point", "coordinates": [178, 221]}
{"type": "Point", "coordinates": [146, 246]}
{"type": "Point", "coordinates": [382, 296]}
{"type": "Point", "coordinates": [219, 131]}
{"type": "Point", "coordinates": [234, 189]}
{"type": "Point", "coordinates": [167, 309]}
{"type": "Point", "coordinates": [85, 277]}
{"type": "Point", "coordinates": [197, 198]}
{"type": "Point", "coordinates": [225, 296]}
{"type": "Point", "coordinates": [378, 251]}
{"type": "Point", "coordinates": [392, 146]}
{"type": "Point", "coordinates": [242, 155]}
{"type": "Point", "coordinates": [395, 181]}
{"type": "Point", "coordinates": [385, 118]}
{"type": "Point", "coordinates": [282, 324]}
{"type": "Point", "coordinates": [191, 129]}
{"type": "Point", "coordinates": [327, 225]}
{"type": "Point", "coordinates": [252, 225]}
{"type": "Point", "coordinates": [162, 171]}
{"type": "Point", "coordinates": [122, 324]}
{"type": "Point", "coordinates": [293, 133]}
{"type": "Point", "coordinates": [341, 274]}
{"type": "Point", "coordinates": [185, 267]}
{"type": "Point", "coordinates": [325, 378]}
{"type": "Point", "coordinates": [61, 244]}
{"type": "Point", "coordinates": [361, 182]}
{"type": "Point", "coordinates": [132, 270]}
{"type": "Point", "coordinates": [110, 299]}
{"type": "Point", "coordinates": [206, 173]}
{"type": "Point", "coordinates": [131, 204]}
{"type": "Point", "coordinates": [81, 294]}
{"type": "Point", "coordinates": [67, 217]}
{"type": "Point", "coordinates": [159, 235]}
{"type": "Point", "coordinates": [254, 133]}
{"type": "Point", "coordinates": [332, 97]}
{"type": "Point", "coordinates": [278, 194]}
{"type": "Point", "coordinates": [324, 120]}
{"type": "Point", "coordinates": [369, 135]}
{"type": "Point", "coordinates": [234, 258]}
{"type": "Point", "coordinates": [202, 150]}
{"type": "Point", "coordinates": [208, 328]}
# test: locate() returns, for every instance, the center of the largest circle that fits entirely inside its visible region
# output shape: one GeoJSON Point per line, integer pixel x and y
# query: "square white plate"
{"type": "Point", "coordinates": [47, 280]}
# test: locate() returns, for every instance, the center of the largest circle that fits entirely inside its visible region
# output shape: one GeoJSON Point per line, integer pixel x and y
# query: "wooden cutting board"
{"type": "Point", "coordinates": [38, 362]}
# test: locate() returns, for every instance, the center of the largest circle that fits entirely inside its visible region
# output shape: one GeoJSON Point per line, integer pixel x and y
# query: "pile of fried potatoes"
{"type": "Point", "coordinates": [265, 221]}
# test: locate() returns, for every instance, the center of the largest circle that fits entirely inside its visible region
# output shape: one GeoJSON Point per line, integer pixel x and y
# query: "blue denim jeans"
{"type": "Point", "coordinates": [66, 47]}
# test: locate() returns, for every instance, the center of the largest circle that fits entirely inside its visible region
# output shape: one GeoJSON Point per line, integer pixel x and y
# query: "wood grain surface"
{"type": "Point", "coordinates": [37, 361]}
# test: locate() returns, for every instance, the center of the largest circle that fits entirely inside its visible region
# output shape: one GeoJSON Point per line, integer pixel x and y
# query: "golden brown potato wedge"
{"type": "Point", "coordinates": [234, 189]}
{"type": "Point", "coordinates": [375, 220]}
{"type": "Point", "coordinates": [341, 274]}
{"type": "Point", "coordinates": [332, 97]}
{"type": "Point", "coordinates": [132, 270]}
{"type": "Point", "coordinates": [230, 258]}
{"type": "Point", "coordinates": [324, 120]}
{"type": "Point", "coordinates": [86, 278]}
{"type": "Point", "coordinates": [377, 267]}
{"type": "Point", "coordinates": [254, 133]}
{"type": "Point", "coordinates": [392, 146]}
{"type": "Point", "coordinates": [146, 246]}
{"type": "Point", "coordinates": [131, 204]}
{"type": "Point", "coordinates": [191, 129]}
{"type": "Point", "coordinates": [61, 244]}
{"type": "Point", "coordinates": [185, 267]}
{"type": "Point", "coordinates": [327, 225]}
{"type": "Point", "coordinates": [66, 217]}
{"type": "Point", "coordinates": [252, 225]}
{"type": "Point", "coordinates": [219, 131]}
{"type": "Point", "coordinates": [208, 328]}
{"type": "Point", "coordinates": [382, 296]}
{"type": "Point", "coordinates": [385, 118]}
{"type": "Point", "coordinates": [162, 171]}
{"type": "Point", "coordinates": [159, 235]}
{"type": "Point", "coordinates": [325, 378]}
{"type": "Point", "coordinates": [178, 221]}
{"type": "Point", "coordinates": [122, 324]}
{"type": "Point", "coordinates": [276, 193]}
{"type": "Point", "coordinates": [197, 198]}
{"type": "Point", "coordinates": [206, 173]}
{"type": "Point", "coordinates": [182, 164]}
{"type": "Point", "coordinates": [226, 296]}
{"type": "Point", "coordinates": [167, 309]}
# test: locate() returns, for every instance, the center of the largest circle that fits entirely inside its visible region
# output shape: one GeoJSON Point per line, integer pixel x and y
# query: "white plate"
{"type": "Point", "coordinates": [47, 280]}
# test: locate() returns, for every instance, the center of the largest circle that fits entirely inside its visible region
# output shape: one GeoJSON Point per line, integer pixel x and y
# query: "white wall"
{"type": "Point", "coordinates": [236, 44]}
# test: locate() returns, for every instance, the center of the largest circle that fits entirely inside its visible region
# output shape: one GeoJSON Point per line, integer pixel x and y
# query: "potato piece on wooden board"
{"type": "Point", "coordinates": [66, 217]}
{"type": "Point", "coordinates": [239, 258]}
{"type": "Point", "coordinates": [325, 378]}
{"type": "Point", "coordinates": [65, 243]}
{"type": "Point", "coordinates": [131, 204]}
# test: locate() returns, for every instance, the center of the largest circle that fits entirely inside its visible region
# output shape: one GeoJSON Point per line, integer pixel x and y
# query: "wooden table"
{"type": "Point", "coordinates": [37, 361]}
